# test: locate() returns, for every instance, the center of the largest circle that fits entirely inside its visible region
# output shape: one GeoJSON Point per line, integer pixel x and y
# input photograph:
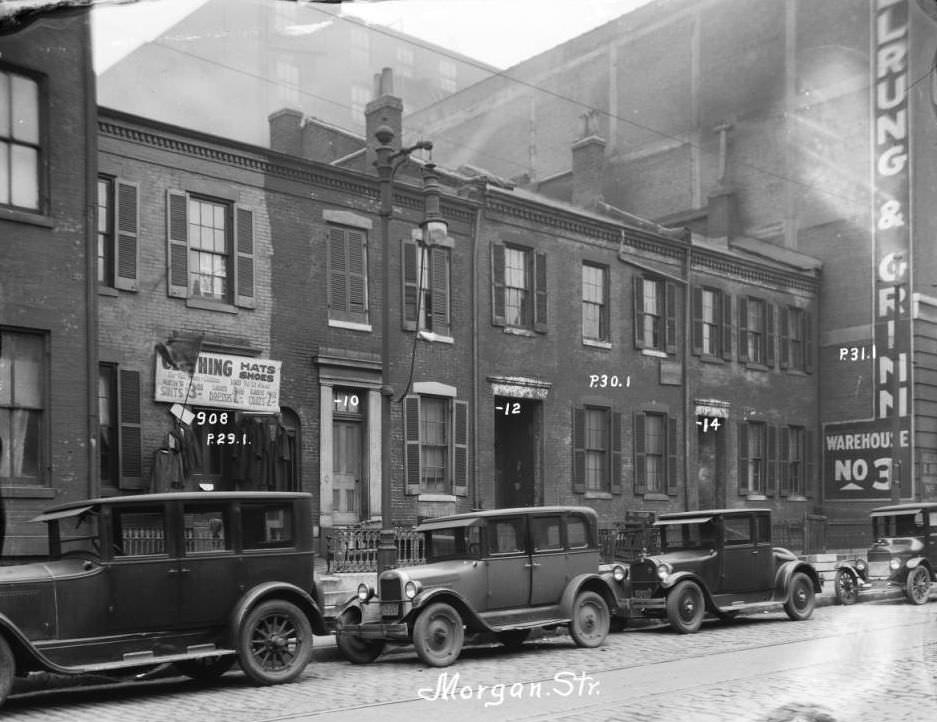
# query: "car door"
{"type": "Point", "coordinates": [208, 569]}
{"type": "Point", "coordinates": [508, 562]}
{"type": "Point", "coordinates": [738, 552]}
{"type": "Point", "coordinates": [763, 565]}
{"type": "Point", "coordinates": [931, 549]}
{"type": "Point", "coordinates": [549, 567]}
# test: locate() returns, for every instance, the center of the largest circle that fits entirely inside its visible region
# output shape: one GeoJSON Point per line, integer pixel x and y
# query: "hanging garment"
{"type": "Point", "coordinates": [166, 471]}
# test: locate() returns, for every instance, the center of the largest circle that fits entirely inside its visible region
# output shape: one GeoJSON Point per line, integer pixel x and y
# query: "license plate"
{"type": "Point", "coordinates": [390, 610]}
{"type": "Point", "coordinates": [642, 593]}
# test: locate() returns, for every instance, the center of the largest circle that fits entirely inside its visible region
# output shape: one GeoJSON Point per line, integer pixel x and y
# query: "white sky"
{"type": "Point", "coordinates": [498, 32]}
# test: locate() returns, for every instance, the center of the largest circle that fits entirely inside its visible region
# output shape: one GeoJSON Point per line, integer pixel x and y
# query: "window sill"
{"type": "Point", "coordinates": [207, 305]}
{"type": "Point", "coordinates": [27, 492]}
{"type": "Point", "coordinates": [437, 497]}
{"type": "Point", "coordinates": [653, 352]}
{"type": "Point", "coordinates": [796, 372]}
{"type": "Point", "coordinates": [514, 331]}
{"type": "Point", "coordinates": [709, 359]}
{"type": "Point", "coordinates": [32, 218]}
{"type": "Point", "coordinates": [756, 497]}
{"type": "Point", "coordinates": [596, 495]}
{"type": "Point", "coordinates": [596, 344]}
{"type": "Point", "coordinates": [435, 337]}
{"type": "Point", "coordinates": [796, 497]}
{"type": "Point", "coordinates": [756, 367]}
{"type": "Point", "coordinates": [108, 291]}
{"type": "Point", "coordinates": [350, 325]}
{"type": "Point", "coordinates": [654, 496]}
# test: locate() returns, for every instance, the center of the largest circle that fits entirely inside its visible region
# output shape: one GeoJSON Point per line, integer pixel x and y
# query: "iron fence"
{"type": "Point", "coordinates": [354, 549]}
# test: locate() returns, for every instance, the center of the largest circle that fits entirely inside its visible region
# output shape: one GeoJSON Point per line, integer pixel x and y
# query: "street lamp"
{"type": "Point", "coordinates": [387, 162]}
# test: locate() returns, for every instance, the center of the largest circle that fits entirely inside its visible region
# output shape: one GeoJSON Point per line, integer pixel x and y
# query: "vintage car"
{"type": "Point", "coordinates": [504, 572]}
{"type": "Point", "coordinates": [198, 579]}
{"type": "Point", "coordinates": [902, 556]}
{"type": "Point", "coordinates": [722, 562]}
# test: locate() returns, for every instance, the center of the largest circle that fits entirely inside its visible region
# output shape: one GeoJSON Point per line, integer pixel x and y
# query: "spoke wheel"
{"type": "Point", "coordinates": [438, 635]}
{"type": "Point", "coordinates": [846, 588]}
{"type": "Point", "coordinates": [7, 668]}
{"type": "Point", "coordinates": [274, 642]}
{"type": "Point", "coordinates": [590, 622]}
{"type": "Point", "coordinates": [513, 639]}
{"type": "Point", "coordinates": [205, 668]}
{"type": "Point", "coordinates": [917, 587]}
{"type": "Point", "coordinates": [355, 649]}
{"type": "Point", "coordinates": [685, 607]}
{"type": "Point", "coordinates": [800, 599]}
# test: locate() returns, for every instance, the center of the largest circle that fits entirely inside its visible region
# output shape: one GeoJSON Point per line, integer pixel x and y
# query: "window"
{"type": "Point", "coordinates": [348, 274]}
{"type": "Point", "coordinates": [118, 219]}
{"type": "Point", "coordinates": [519, 288]}
{"type": "Point", "coordinates": [577, 532]}
{"type": "Point", "coordinates": [266, 525]}
{"type": "Point", "coordinates": [20, 148]}
{"type": "Point", "coordinates": [794, 460]}
{"type": "Point", "coordinates": [763, 527]}
{"type": "Point", "coordinates": [737, 530]}
{"type": "Point", "coordinates": [796, 348]}
{"type": "Point", "coordinates": [756, 331]}
{"type": "Point", "coordinates": [206, 528]}
{"type": "Point", "coordinates": [138, 530]}
{"type": "Point", "coordinates": [105, 231]}
{"type": "Point", "coordinates": [655, 453]}
{"type": "Point", "coordinates": [547, 533]}
{"type": "Point", "coordinates": [594, 303]}
{"type": "Point", "coordinates": [655, 322]}
{"type": "Point", "coordinates": [712, 323]}
{"type": "Point", "coordinates": [507, 536]}
{"type": "Point", "coordinates": [426, 283]}
{"type": "Point", "coordinates": [107, 424]}
{"type": "Point", "coordinates": [210, 251]}
{"type": "Point", "coordinates": [436, 437]}
{"type": "Point", "coordinates": [119, 441]}
{"type": "Point", "coordinates": [753, 457]}
{"type": "Point", "coordinates": [596, 450]}
{"type": "Point", "coordinates": [22, 408]}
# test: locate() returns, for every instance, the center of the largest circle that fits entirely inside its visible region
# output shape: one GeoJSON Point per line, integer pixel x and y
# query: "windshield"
{"type": "Point", "coordinates": [462, 542]}
{"type": "Point", "coordinates": [78, 535]}
{"type": "Point", "coordinates": [911, 524]}
{"type": "Point", "coordinates": [688, 536]}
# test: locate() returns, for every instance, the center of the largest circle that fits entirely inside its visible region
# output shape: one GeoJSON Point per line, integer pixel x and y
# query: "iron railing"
{"type": "Point", "coordinates": [354, 549]}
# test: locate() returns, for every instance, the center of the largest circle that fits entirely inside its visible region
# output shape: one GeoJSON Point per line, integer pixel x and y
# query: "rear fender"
{"type": "Point", "coordinates": [278, 590]}
{"type": "Point", "coordinates": [587, 583]}
{"type": "Point", "coordinates": [786, 571]}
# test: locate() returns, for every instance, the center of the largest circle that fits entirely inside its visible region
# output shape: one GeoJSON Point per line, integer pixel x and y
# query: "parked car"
{"type": "Point", "coordinates": [197, 579]}
{"type": "Point", "coordinates": [903, 555]}
{"type": "Point", "coordinates": [719, 561]}
{"type": "Point", "coordinates": [505, 572]}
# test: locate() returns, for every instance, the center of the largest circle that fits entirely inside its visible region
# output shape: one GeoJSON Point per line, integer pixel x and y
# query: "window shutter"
{"type": "Point", "coordinates": [244, 242]}
{"type": "Point", "coordinates": [357, 273]}
{"type": "Point", "coordinates": [177, 244]}
{"type": "Point", "coordinates": [439, 290]}
{"type": "Point", "coordinates": [338, 267]}
{"type": "Point", "coordinates": [726, 326]}
{"type": "Point", "coordinates": [616, 453]}
{"type": "Point", "coordinates": [697, 320]}
{"type": "Point", "coordinates": [410, 287]}
{"type": "Point", "coordinates": [784, 339]}
{"type": "Point", "coordinates": [808, 342]}
{"type": "Point", "coordinates": [460, 448]}
{"type": "Point", "coordinates": [670, 313]}
{"type": "Point", "coordinates": [579, 450]}
{"type": "Point", "coordinates": [784, 459]}
{"type": "Point", "coordinates": [638, 312]}
{"type": "Point", "coordinates": [769, 334]}
{"type": "Point", "coordinates": [640, 465]}
{"type": "Point", "coordinates": [672, 472]}
{"type": "Point", "coordinates": [742, 472]}
{"type": "Point", "coordinates": [810, 455]}
{"type": "Point", "coordinates": [411, 425]}
{"type": "Point", "coordinates": [743, 328]}
{"type": "Point", "coordinates": [771, 472]}
{"type": "Point", "coordinates": [540, 292]}
{"type": "Point", "coordinates": [127, 224]}
{"type": "Point", "coordinates": [131, 452]}
{"type": "Point", "coordinates": [497, 284]}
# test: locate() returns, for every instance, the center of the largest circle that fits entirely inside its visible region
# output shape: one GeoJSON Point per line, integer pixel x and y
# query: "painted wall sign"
{"type": "Point", "coordinates": [224, 382]}
{"type": "Point", "coordinates": [857, 459]}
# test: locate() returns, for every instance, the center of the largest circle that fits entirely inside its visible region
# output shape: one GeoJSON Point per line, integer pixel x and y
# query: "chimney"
{"type": "Point", "coordinates": [385, 109]}
{"type": "Point", "coordinates": [722, 214]}
{"type": "Point", "coordinates": [588, 164]}
{"type": "Point", "coordinates": [286, 135]}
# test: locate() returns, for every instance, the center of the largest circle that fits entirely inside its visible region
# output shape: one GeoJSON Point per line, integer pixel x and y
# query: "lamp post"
{"type": "Point", "coordinates": [387, 162]}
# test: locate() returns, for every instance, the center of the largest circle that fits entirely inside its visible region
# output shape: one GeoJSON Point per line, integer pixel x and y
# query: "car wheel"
{"type": "Point", "coordinates": [514, 639]}
{"type": "Point", "coordinates": [355, 649]}
{"type": "Point", "coordinates": [800, 598]}
{"type": "Point", "coordinates": [205, 668]}
{"type": "Point", "coordinates": [590, 622]}
{"type": "Point", "coordinates": [274, 642]}
{"type": "Point", "coordinates": [917, 588]}
{"type": "Point", "coordinates": [438, 634]}
{"type": "Point", "coordinates": [7, 668]}
{"type": "Point", "coordinates": [685, 607]}
{"type": "Point", "coordinates": [846, 588]}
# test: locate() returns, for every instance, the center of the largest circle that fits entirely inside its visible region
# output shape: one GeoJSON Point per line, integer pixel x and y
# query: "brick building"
{"type": "Point", "coordinates": [47, 287]}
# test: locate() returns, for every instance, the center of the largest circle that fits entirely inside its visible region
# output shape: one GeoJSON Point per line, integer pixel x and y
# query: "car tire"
{"type": "Point", "coordinates": [801, 598]}
{"type": "Point", "coordinates": [845, 587]}
{"type": "Point", "coordinates": [438, 635]}
{"type": "Point", "coordinates": [686, 607]}
{"type": "Point", "coordinates": [590, 621]}
{"type": "Point", "coordinates": [274, 642]}
{"type": "Point", "coordinates": [514, 638]}
{"type": "Point", "coordinates": [7, 669]}
{"type": "Point", "coordinates": [355, 649]}
{"type": "Point", "coordinates": [205, 669]}
{"type": "Point", "coordinates": [917, 586]}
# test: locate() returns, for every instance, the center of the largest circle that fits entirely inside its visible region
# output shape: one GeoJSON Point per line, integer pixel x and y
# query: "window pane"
{"type": "Point", "coordinates": [139, 531]}
{"type": "Point", "coordinates": [4, 105]}
{"type": "Point", "coordinates": [737, 530]}
{"type": "Point", "coordinates": [546, 533]}
{"type": "Point", "coordinates": [4, 173]}
{"type": "Point", "coordinates": [650, 297]}
{"type": "Point", "coordinates": [514, 268]}
{"type": "Point", "coordinates": [266, 525]}
{"type": "Point", "coordinates": [27, 371]}
{"type": "Point", "coordinates": [25, 93]}
{"type": "Point", "coordinates": [25, 164]}
{"type": "Point", "coordinates": [6, 371]}
{"type": "Point", "coordinates": [206, 529]}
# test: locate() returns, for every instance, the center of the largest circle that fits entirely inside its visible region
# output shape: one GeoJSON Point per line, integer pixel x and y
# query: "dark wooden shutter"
{"type": "Point", "coordinates": [742, 473]}
{"type": "Point", "coordinates": [411, 426]}
{"type": "Point", "coordinates": [697, 299]}
{"type": "Point", "coordinates": [640, 459]}
{"type": "Point", "coordinates": [410, 284]}
{"type": "Point", "coordinates": [497, 284]}
{"type": "Point", "coordinates": [784, 338]}
{"type": "Point", "coordinates": [579, 450]}
{"type": "Point", "coordinates": [672, 470]}
{"type": "Point", "coordinates": [126, 224]}
{"type": "Point", "coordinates": [616, 453]}
{"type": "Point", "coordinates": [439, 290]}
{"type": "Point", "coordinates": [670, 317]}
{"type": "Point", "coordinates": [727, 326]}
{"type": "Point", "coordinates": [540, 292]}
{"type": "Point", "coordinates": [460, 448]}
{"type": "Point", "coordinates": [743, 328]}
{"type": "Point", "coordinates": [808, 342]}
{"type": "Point", "coordinates": [810, 455]}
{"type": "Point", "coordinates": [784, 459]}
{"type": "Point", "coordinates": [771, 461]}
{"type": "Point", "coordinates": [244, 244]}
{"type": "Point", "coordinates": [639, 312]}
{"type": "Point", "coordinates": [338, 273]}
{"type": "Point", "coordinates": [177, 244]}
{"type": "Point", "coordinates": [131, 451]}
{"type": "Point", "coordinates": [357, 274]}
{"type": "Point", "coordinates": [769, 334]}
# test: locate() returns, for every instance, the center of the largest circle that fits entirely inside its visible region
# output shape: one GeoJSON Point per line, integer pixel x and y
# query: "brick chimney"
{"type": "Point", "coordinates": [286, 133]}
{"type": "Point", "coordinates": [588, 164]}
{"type": "Point", "coordinates": [722, 214]}
{"type": "Point", "coordinates": [385, 109]}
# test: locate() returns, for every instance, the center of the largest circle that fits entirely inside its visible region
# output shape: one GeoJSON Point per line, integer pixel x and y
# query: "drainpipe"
{"type": "Point", "coordinates": [479, 214]}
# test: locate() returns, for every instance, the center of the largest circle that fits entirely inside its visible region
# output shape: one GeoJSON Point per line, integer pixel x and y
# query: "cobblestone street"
{"type": "Point", "coordinates": [869, 661]}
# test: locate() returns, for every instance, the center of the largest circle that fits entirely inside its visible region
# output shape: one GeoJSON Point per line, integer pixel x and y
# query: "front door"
{"type": "Point", "coordinates": [346, 472]}
{"type": "Point", "coordinates": [515, 433]}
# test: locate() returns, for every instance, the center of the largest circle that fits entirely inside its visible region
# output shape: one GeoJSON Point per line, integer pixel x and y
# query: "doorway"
{"type": "Point", "coordinates": [346, 472]}
{"type": "Point", "coordinates": [711, 462]}
{"type": "Point", "coordinates": [515, 451]}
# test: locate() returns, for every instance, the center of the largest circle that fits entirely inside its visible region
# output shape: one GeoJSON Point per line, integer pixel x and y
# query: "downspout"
{"type": "Point", "coordinates": [479, 213]}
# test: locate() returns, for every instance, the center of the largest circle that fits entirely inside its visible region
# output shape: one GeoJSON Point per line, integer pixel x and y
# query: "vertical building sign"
{"type": "Point", "coordinates": [891, 219]}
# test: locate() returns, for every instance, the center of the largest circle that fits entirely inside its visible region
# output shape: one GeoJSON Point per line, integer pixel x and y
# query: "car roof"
{"type": "Point", "coordinates": [182, 496]}
{"type": "Point", "coordinates": [906, 507]}
{"type": "Point", "coordinates": [514, 511]}
{"type": "Point", "coordinates": [707, 512]}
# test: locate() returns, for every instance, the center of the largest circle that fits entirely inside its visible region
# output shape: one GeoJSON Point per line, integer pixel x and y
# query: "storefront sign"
{"type": "Point", "coordinates": [224, 382]}
{"type": "Point", "coordinates": [857, 459]}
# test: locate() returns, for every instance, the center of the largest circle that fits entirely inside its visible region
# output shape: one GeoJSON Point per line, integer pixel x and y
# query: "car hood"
{"type": "Point", "coordinates": [684, 557]}
{"type": "Point", "coordinates": [41, 571]}
{"type": "Point", "coordinates": [437, 574]}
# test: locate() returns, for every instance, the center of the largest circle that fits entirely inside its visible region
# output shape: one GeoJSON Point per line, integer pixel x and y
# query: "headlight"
{"type": "Point", "coordinates": [663, 570]}
{"type": "Point", "coordinates": [895, 564]}
{"type": "Point", "coordinates": [365, 592]}
{"type": "Point", "coordinates": [411, 589]}
{"type": "Point", "coordinates": [619, 573]}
